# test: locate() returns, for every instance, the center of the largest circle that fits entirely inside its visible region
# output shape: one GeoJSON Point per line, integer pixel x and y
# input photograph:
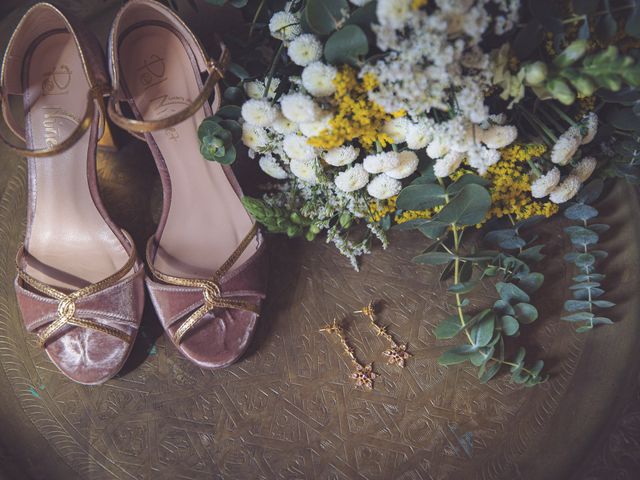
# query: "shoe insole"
{"type": "Point", "coordinates": [206, 220]}
{"type": "Point", "coordinates": [68, 241]}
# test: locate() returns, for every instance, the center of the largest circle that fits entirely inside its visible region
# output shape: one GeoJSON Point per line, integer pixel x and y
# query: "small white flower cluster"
{"type": "Point", "coordinates": [433, 57]}
{"type": "Point", "coordinates": [562, 154]}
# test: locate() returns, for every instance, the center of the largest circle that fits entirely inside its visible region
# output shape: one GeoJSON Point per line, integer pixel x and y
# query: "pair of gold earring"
{"type": "Point", "coordinates": [364, 375]}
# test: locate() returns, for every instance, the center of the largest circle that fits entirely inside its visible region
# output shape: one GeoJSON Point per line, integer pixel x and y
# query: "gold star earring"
{"type": "Point", "coordinates": [397, 353]}
{"type": "Point", "coordinates": [364, 374]}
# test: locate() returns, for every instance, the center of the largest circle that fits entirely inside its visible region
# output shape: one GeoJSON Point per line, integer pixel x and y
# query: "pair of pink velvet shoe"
{"type": "Point", "coordinates": [80, 283]}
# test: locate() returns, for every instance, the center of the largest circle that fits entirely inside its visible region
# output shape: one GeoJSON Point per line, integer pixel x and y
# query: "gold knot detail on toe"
{"type": "Point", "coordinates": [66, 308]}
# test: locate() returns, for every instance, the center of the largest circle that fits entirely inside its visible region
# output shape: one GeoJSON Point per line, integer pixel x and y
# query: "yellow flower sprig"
{"type": "Point", "coordinates": [356, 119]}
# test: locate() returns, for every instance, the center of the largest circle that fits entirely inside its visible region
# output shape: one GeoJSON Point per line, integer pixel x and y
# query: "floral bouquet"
{"type": "Point", "coordinates": [442, 116]}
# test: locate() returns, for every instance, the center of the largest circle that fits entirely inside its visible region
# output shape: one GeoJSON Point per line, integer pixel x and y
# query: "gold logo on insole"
{"type": "Point", "coordinates": [151, 73]}
{"type": "Point", "coordinates": [54, 118]}
{"type": "Point", "coordinates": [56, 81]}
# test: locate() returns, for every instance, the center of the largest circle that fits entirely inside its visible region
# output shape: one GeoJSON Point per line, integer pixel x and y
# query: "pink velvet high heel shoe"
{"type": "Point", "coordinates": [80, 284]}
{"type": "Point", "coordinates": [207, 259]}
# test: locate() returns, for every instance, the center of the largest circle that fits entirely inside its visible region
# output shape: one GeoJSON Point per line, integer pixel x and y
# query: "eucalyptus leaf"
{"type": "Point", "coordinates": [325, 16]}
{"type": "Point", "coordinates": [482, 332]}
{"type": "Point", "coordinates": [510, 325]}
{"type": "Point", "coordinates": [346, 45]}
{"type": "Point", "coordinates": [576, 305]}
{"type": "Point", "coordinates": [466, 179]}
{"type": "Point", "coordinates": [526, 313]}
{"type": "Point", "coordinates": [448, 328]}
{"type": "Point", "coordinates": [489, 373]}
{"type": "Point", "coordinates": [580, 212]}
{"type": "Point", "coordinates": [511, 293]}
{"type": "Point", "coordinates": [420, 197]}
{"type": "Point", "coordinates": [464, 287]}
{"type": "Point", "coordinates": [578, 317]}
{"type": "Point", "coordinates": [469, 207]}
{"type": "Point", "coordinates": [434, 258]}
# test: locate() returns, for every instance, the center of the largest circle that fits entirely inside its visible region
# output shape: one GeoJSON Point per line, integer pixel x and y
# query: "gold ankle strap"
{"type": "Point", "coordinates": [95, 94]}
{"type": "Point", "coordinates": [216, 73]}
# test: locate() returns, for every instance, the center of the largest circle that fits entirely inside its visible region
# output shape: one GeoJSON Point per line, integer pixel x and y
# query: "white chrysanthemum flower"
{"type": "Point", "coordinates": [437, 148]}
{"type": "Point", "coordinates": [312, 129]}
{"type": "Point", "coordinates": [448, 164]}
{"type": "Point", "coordinates": [304, 170]}
{"type": "Point", "coordinates": [256, 89]}
{"type": "Point", "coordinates": [284, 26]}
{"type": "Point", "coordinates": [591, 124]}
{"type": "Point", "coordinates": [408, 164]}
{"type": "Point", "coordinates": [544, 185]}
{"type": "Point", "coordinates": [499, 136]}
{"type": "Point", "coordinates": [585, 168]}
{"type": "Point", "coordinates": [259, 112]}
{"type": "Point", "coordinates": [383, 187]}
{"type": "Point", "coordinates": [418, 135]}
{"type": "Point", "coordinates": [254, 137]}
{"type": "Point", "coordinates": [481, 158]}
{"type": "Point", "coordinates": [396, 128]}
{"type": "Point", "coordinates": [271, 167]}
{"type": "Point", "coordinates": [299, 108]}
{"type": "Point", "coordinates": [297, 148]}
{"type": "Point", "coordinates": [283, 125]}
{"type": "Point", "coordinates": [305, 50]}
{"type": "Point", "coordinates": [317, 79]}
{"type": "Point", "coordinates": [352, 179]}
{"type": "Point", "coordinates": [566, 146]}
{"type": "Point", "coordinates": [381, 162]}
{"type": "Point", "coordinates": [341, 156]}
{"type": "Point", "coordinates": [566, 190]}
{"type": "Point", "coordinates": [393, 13]}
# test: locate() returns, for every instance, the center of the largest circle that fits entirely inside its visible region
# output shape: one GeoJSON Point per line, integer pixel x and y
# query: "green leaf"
{"type": "Point", "coordinates": [590, 192]}
{"type": "Point", "coordinates": [507, 239]}
{"type": "Point", "coordinates": [420, 197]}
{"type": "Point", "coordinates": [434, 258]}
{"type": "Point", "coordinates": [532, 254]}
{"type": "Point", "coordinates": [591, 277]}
{"type": "Point", "coordinates": [632, 27]}
{"type": "Point", "coordinates": [518, 360]}
{"type": "Point", "coordinates": [464, 287]}
{"type": "Point", "coordinates": [238, 70]}
{"type": "Point", "coordinates": [607, 27]}
{"type": "Point", "coordinates": [603, 304]}
{"type": "Point", "coordinates": [449, 327]}
{"type": "Point", "coordinates": [544, 11]}
{"type": "Point", "coordinates": [447, 272]}
{"type": "Point", "coordinates": [584, 328]}
{"type": "Point", "coordinates": [233, 95]}
{"type": "Point", "coordinates": [347, 45]}
{"type": "Point", "coordinates": [469, 207]}
{"type": "Point", "coordinates": [502, 307]}
{"type": "Point", "coordinates": [576, 305]}
{"type": "Point", "coordinates": [489, 373]}
{"type": "Point", "coordinates": [482, 356]}
{"type": "Point", "coordinates": [582, 236]}
{"type": "Point", "coordinates": [466, 179]}
{"type": "Point", "coordinates": [585, 285]}
{"type": "Point", "coordinates": [365, 15]}
{"type": "Point", "coordinates": [482, 332]}
{"type": "Point", "coordinates": [453, 357]}
{"type": "Point", "coordinates": [602, 321]}
{"type": "Point", "coordinates": [326, 16]}
{"type": "Point", "coordinates": [530, 282]}
{"type": "Point", "coordinates": [511, 293]}
{"type": "Point", "coordinates": [584, 260]}
{"type": "Point", "coordinates": [580, 212]}
{"type": "Point", "coordinates": [526, 313]}
{"type": "Point", "coordinates": [578, 317]}
{"type": "Point", "coordinates": [231, 112]}
{"type": "Point", "coordinates": [510, 325]}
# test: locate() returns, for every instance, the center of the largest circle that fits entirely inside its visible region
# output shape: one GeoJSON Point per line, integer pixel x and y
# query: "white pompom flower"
{"type": "Point", "coordinates": [259, 112]}
{"type": "Point", "coordinates": [396, 128]}
{"type": "Point", "coordinates": [271, 167]}
{"type": "Point", "coordinates": [305, 50]}
{"type": "Point", "coordinates": [437, 148]}
{"type": "Point", "coordinates": [352, 179]}
{"type": "Point", "coordinates": [499, 136]}
{"type": "Point", "coordinates": [341, 156]}
{"type": "Point", "coordinates": [313, 129]}
{"type": "Point", "coordinates": [300, 108]}
{"type": "Point", "coordinates": [317, 79]}
{"type": "Point", "coordinates": [393, 13]}
{"type": "Point", "coordinates": [383, 186]}
{"type": "Point", "coordinates": [256, 89]}
{"type": "Point", "coordinates": [381, 162]}
{"type": "Point", "coordinates": [591, 125]}
{"type": "Point", "coordinates": [448, 164]}
{"type": "Point", "coordinates": [418, 135]}
{"type": "Point", "coordinates": [283, 125]}
{"type": "Point", "coordinates": [566, 146]}
{"type": "Point", "coordinates": [408, 164]}
{"type": "Point", "coordinates": [544, 185]}
{"type": "Point", "coordinates": [297, 148]}
{"type": "Point", "coordinates": [566, 190]}
{"type": "Point", "coordinates": [584, 169]}
{"type": "Point", "coordinates": [284, 26]}
{"type": "Point", "coordinates": [304, 170]}
{"type": "Point", "coordinates": [254, 137]}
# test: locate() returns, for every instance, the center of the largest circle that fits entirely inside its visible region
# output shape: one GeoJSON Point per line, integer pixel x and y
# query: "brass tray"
{"type": "Point", "coordinates": [289, 411]}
